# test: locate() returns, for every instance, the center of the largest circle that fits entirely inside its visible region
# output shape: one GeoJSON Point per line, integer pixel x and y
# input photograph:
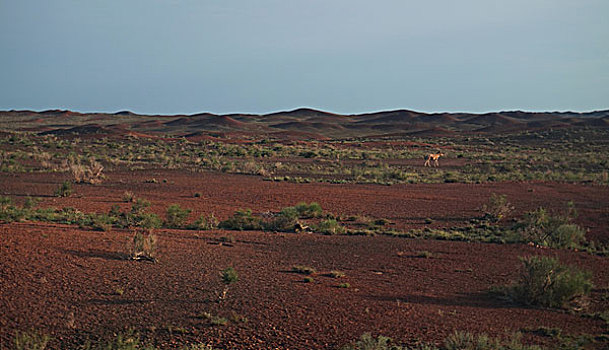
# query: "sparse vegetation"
{"type": "Point", "coordinates": [32, 340]}
{"type": "Point", "coordinates": [305, 270]}
{"type": "Point", "coordinates": [176, 216]}
{"type": "Point", "coordinates": [209, 222]}
{"type": "Point", "coordinates": [330, 227]}
{"type": "Point", "coordinates": [544, 281]}
{"type": "Point", "coordinates": [497, 208]}
{"type": "Point", "coordinates": [143, 246]}
{"type": "Point", "coordinates": [336, 274]}
{"type": "Point", "coordinates": [424, 254]}
{"type": "Point", "coordinates": [64, 190]}
{"type": "Point", "coordinates": [556, 231]}
{"type": "Point", "coordinates": [242, 220]}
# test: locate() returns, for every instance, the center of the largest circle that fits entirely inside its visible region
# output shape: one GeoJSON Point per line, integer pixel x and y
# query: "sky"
{"type": "Point", "coordinates": [343, 56]}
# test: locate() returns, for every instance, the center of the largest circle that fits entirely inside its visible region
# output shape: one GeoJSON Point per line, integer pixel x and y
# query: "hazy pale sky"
{"type": "Point", "coordinates": [345, 56]}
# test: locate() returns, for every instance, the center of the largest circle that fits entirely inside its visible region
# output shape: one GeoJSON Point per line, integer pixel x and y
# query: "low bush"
{"type": "Point", "coordinates": [467, 341]}
{"type": "Point", "coordinates": [32, 340]}
{"type": "Point", "coordinates": [306, 211]}
{"type": "Point", "coordinates": [176, 216]}
{"type": "Point", "coordinates": [64, 190]}
{"type": "Point", "coordinates": [137, 216]}
{"type": "Point", "coordinates": [305, 270]}
{"type": "Point", "coordinates": [330, 227]}
{"type": "Point", "coordinates": [209, 222]}
{"type": "Point", "coordinates": [285, 221]}
{"type": "Point", "coordinates": [242, 220]}
{"type": "Point", "coordinates": [229, 275]}
{"type": "Point", "coordinates": [143, 246]}
{"type": "Point", "coordinates": [497, 208]}
{"type": "Point", "coordinates": [545, 282]}
{"type": "Point", "coordinates": [555, 231]}
{"type": "Point", "coordinates": [89, 171]}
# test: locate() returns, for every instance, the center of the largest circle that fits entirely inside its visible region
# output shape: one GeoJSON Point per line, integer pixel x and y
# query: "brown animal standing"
{"type": "Point", "coordinates": [434, 157]}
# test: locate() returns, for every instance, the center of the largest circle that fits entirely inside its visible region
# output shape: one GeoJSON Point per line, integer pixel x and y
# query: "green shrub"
{"type": "Point", "coordinates": [242, 220]}
{"type": "Point", "coordinates": [368, 342]}
{"type": "Point", "coordinates": [176, 216]}
{"type": "Point", "coordinates": [306, 211]}
{"type": "Point", "coordinates": [229, 276]}
{"type": "Point", "coordinates": [569, 236]}
{"type": "Point", "coordinates": [285, 221]}
{"type": "Point", "coordinates": [545, 282]}
{"type": "Point", "coordinates": [467, 341]}
{"type": "Point", "coordinates": [138, 216]}
{"type": "Point", "coordinates": [32, 340]}
{"type": "Point", "coordinates": [497, 208]}
{"type": "Point", "coordinates": [205, 223]}
{"type": "Point", "coordinates": [344, 285]}
{"type": "Point", "coordinates": [330, 227]}
{"type": "Point", "coordinates": [308, 279]}
{"type": "Point", "coordinates": [64, 190]}
{"type": "Point", "coordinates": [31, 203]}
{"type": "Point", "coordinates": [554, 231]}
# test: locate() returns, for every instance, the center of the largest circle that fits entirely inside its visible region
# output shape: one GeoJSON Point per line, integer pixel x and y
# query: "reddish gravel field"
{"type": "Point", "coordinates": [76, 284]}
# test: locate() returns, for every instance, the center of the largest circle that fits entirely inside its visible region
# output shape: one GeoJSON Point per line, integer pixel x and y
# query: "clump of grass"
{"type": "Point", "coordinates": [176, 217]}
{"type": "Point", "coordinates": [306, 211]}
{"type": "Point", "coordinates": [497, 208]}
{"type": "Point", "coordinates": [344, 285]}
{"type": "Point", "coordinates": [305, 270]}
{"type": "Point", "coordinates": [143, 246]}
{"type": "Point", "coordinates": [209, 222]}
{"type": "Point", "coordinates": [229, 275]}
{"type": "Point", "coordinates": [308, 279]}
{"type": "Point", "coordinates": [424, 254]}
{"type": "Point", "coordinates": [128, 197]}
{"type": "Point", "coordinates": [32, 340]}
{"type": "Point", "coordinates": [368, 342]}
{"type": "Point", "coordinates": [218, 321]}
{"type": "Point", "coordinates": [556, 231]}
{"type": "Point", "coordinates": [544, 281]}
{"type": "Point", "coordinates": [31, 203]}
{"type": "Point", "coordinates": [242, 220]}
{"type": "Point", "coordinates": [89, 171]}
{"type": "Point", "coordinates": [285, 221]}
{"type": "Point", "coordinates": [64, 190]}
{"type": "Point", "coordinates": [466, 341]}
{"type": "Point", "coordinates": [331, 227]}
{"type": "Point", "coordinates": [228, 239]}
{"type": "Point", "coordinates": [336, 274]}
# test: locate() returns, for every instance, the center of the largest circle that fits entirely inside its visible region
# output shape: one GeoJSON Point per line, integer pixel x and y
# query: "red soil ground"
{"type": "Point", "coordinates": [76, 284]}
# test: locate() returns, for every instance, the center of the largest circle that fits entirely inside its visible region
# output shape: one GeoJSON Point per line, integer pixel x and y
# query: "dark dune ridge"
{"type": "Point", "coordinates": [298, 123]}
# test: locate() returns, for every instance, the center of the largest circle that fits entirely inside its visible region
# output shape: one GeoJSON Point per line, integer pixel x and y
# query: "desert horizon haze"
{"type": "Point", "coordinates": [182, 57]}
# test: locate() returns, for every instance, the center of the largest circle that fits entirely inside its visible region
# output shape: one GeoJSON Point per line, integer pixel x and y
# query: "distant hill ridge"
{"type": "Point", "coordinates": [306, 122]}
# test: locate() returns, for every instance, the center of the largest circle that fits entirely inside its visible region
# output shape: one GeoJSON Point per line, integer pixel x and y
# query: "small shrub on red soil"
{"type": "Point", "coordinates": [64, 190]}
{"type": "Point", "coordinates": [544, 281]}
{"type": "Point", "coordinates": [143, 246]}
{"type": "Point", "coordinates": [242, 220]}
{"type": "Point", "coordinates": [32, 340]}
{"type": "Point", "coordinates": [209, 222]}
{"type": "Point", "coordinates": [305, 270]}
{"type": "Point", "coordinates": [176, 216]}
